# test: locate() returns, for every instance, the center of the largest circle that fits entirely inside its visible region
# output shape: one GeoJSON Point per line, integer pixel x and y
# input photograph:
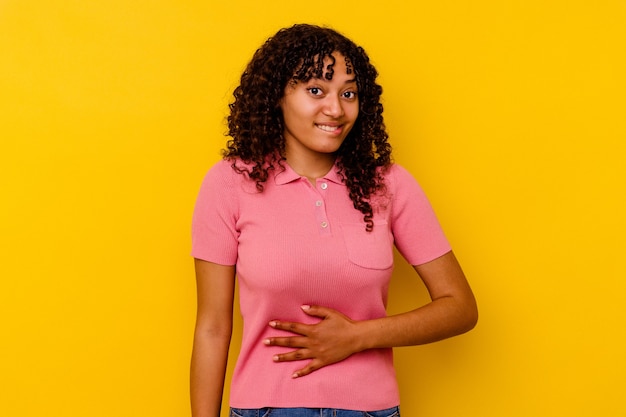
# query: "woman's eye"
{"type": "Point", "coordinates": [350, 95]}
{"type": "Point", "coordinates": [315, 91]}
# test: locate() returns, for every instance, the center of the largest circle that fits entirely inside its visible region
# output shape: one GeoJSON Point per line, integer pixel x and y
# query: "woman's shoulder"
{"type": "Point", "coordinates": [396, 174]}
{"type": "Point", "coordinates": [227, 169]}
{"type": "Point", "coordinates": [400, 183]}
{"type": "Point", "coordinates": [231, 176]}
{"type": "Point", "coordinates": [222, 174]}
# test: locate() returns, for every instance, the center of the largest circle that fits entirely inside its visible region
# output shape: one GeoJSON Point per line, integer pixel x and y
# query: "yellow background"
{"type": "Point", "coordinates": [510, 114]}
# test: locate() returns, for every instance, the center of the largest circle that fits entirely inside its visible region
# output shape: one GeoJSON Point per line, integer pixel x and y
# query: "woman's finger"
{"type": "Point", "coordinates": [296, 355]}
{"type": "Point", "coordinates": [292, 341]}
{"type": "Point", "coordinates": [299, 328]}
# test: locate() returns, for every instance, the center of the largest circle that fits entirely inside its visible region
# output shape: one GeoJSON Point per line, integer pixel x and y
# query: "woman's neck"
{"type": "Point", "coordinates": [311, 167]}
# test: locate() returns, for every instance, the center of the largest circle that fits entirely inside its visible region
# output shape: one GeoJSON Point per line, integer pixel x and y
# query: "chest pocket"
{"type": "Point", "coordinates": [371, 250]}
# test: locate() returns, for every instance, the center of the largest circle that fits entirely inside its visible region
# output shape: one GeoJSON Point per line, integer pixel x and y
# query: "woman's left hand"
{"type": "Point", "coordinates": [452, 311]}
{"type": "Point", "coordinates": [331, 340]}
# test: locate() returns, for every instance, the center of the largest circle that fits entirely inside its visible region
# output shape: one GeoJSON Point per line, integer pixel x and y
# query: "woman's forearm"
{"type": "Point", "coordinates": [440, 319]}
{"type": "Point", "coordinates": [208, 370]}
{"type": "Point", "coordinates": [214, 325]}
{"type": "Point", "coordinates": [452, 310]}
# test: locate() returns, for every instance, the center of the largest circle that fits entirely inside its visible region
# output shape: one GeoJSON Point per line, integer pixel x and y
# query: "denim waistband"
{"type": "Point", "coordinates": [311, 412]}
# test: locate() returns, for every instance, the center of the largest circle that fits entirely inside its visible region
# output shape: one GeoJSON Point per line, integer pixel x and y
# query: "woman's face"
{"type": "Point", "coordinates": [319, 114]}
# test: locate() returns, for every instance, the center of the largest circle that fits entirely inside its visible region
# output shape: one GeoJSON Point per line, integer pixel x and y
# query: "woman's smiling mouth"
{"type": "Point", "coordinates": [328, 128]}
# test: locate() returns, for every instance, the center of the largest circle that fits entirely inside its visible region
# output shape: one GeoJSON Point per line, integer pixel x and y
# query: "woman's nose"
{"type": "Point", "coordinates": [333, 106]}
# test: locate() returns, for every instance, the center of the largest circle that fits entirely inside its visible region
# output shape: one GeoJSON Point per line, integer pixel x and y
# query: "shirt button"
{"type": "Point", "coordinates": [324, 225]}
{"type": "Point", "coordinates": [323, 186]}
{"type": "Point", "coordinates": [318, 203]}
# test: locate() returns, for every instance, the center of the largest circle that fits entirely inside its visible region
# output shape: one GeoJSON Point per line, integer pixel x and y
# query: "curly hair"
{"type": "Point", "coordinates": [255, 123]}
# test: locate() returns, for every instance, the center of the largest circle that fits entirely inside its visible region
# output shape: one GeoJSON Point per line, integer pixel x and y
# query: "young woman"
{"type": "Point", "coordinates": [305, 210]}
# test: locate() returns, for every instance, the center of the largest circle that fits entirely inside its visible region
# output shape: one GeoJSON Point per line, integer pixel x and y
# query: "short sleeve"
{"type": "Point", "coordinates": [415, 227]}
{"type": "Point", "coordinates": [214, 234]}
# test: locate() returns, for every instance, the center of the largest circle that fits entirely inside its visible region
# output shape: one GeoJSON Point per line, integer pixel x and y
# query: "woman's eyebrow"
{"type": "Point", "coordinates": [348, 81]}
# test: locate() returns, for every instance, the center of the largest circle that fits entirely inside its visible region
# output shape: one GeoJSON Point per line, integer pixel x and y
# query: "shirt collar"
{"type": "Point", "coordinates": [288, 175]}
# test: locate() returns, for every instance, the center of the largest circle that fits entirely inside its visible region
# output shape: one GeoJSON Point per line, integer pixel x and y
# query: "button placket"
{"type": "Point", "coordinates": [320, 208]}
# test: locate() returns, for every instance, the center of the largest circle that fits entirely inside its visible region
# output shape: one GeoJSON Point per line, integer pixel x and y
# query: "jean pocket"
{"type": "Point", "coordinates": [373, 250]}
{"type": "Point", "coordinates": [389, 412]}
{"type": "Point", "coordinates": [250, 412]}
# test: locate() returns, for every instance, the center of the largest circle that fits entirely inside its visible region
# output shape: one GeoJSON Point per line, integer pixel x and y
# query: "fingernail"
{"type": "Point", "coordinates": [275, 358]}
{"type": "Point", "coordinates": [266, 341]}
{"type": "Point", "coordinates": [273, 323]}
{"type": "Point", "coordinates": [305, 307]}
{"type": "Point", "coordinates": [295, 375]}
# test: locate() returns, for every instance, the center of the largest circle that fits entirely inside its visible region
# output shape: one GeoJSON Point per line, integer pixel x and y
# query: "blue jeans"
{"type": "Point", "coordinates": [311, 412]}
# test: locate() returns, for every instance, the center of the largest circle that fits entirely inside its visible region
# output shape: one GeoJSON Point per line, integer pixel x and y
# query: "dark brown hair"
{"type": "Point", "coordinates": [255, 123]}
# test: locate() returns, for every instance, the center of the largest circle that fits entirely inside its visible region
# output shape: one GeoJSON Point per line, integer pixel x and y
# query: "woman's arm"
{"type": "Point", "coordinates": [452, 311]}
{"type": "Point", "coordinates": [215, 289]}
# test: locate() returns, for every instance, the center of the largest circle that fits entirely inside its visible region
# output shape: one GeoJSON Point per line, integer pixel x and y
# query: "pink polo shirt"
{"type": "Point", "coordinates": [296, 244]}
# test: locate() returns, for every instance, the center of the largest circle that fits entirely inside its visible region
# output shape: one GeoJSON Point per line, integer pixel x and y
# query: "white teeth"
{"type": "Point", "coordinates": [328, 128]}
